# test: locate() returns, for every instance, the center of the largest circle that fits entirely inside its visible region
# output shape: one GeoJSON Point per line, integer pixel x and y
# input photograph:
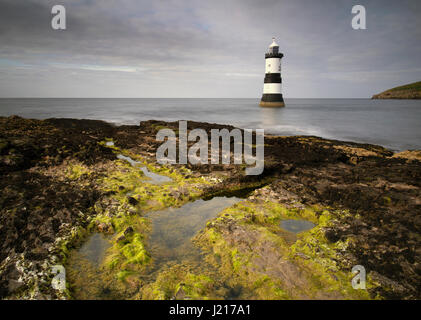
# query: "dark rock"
{"type": "Point", "coordinates": [132, 201]}
{"type": "Point", "coordinates": [129, 230]}
{"type": "Point", "coordinates": [331, 235]}
{"type": "Point", "coordinates": [357, 178]}
{"type": "Point", "coordinates": [121, 238]}
{"type": "Point", "coordinates": [15, 285]}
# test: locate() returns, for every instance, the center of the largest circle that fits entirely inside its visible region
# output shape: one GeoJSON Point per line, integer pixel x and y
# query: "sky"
{"type": "Point", "coordinates": [203, 48]}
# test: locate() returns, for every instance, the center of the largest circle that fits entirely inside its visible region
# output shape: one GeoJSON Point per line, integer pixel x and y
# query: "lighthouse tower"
{"type": "Point", "coordinates": [272, 89]}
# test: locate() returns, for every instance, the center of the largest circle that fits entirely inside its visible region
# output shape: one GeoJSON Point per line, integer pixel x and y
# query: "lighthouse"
{"type": "Point", "coordinates": [272, 88]}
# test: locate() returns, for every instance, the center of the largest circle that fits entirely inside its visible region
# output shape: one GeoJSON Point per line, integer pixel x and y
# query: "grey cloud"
{"type": "Point", "coordinates": [204, 48]}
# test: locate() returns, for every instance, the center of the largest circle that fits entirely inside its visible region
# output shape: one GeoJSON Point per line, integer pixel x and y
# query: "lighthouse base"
{"type": "Point", "coordinates": [272, 101]}
{"type": "Point", "coordinates": [265, 104]}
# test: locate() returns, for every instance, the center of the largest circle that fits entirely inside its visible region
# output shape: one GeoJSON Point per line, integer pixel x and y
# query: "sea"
{"type": "Point", "coordinates": [394, 124]}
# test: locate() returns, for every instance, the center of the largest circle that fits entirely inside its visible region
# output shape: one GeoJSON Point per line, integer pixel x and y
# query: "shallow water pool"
{"type": "Point", "coordinates": [173, 228]}
{"type": "Point", "coordinates": [169, 243]}
{"type": "Point", "coordinates": [155, 178]}
{"type": "Point", "coordinates": [296, 226]}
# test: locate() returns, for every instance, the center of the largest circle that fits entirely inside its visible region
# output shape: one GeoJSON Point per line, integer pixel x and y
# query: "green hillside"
{"type": "Point", "coordinates": [408, 91]}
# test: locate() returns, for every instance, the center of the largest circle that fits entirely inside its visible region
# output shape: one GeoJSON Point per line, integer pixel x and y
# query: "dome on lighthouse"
{"type": "Point", "coordinates": [274, 47]}
{"type": "Point", "coordinates": [273, 44]}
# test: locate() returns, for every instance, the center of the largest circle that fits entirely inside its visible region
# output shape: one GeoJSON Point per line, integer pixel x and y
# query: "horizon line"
{"type": "Point", "coordinates": [176, 98]}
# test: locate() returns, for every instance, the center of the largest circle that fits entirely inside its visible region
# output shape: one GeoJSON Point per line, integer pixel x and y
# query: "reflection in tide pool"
{"type": "Point", "coordinates": [94, 249]}
{"type": "Point", "coordinates": [173, 228]}
{"type": "Point", "coordinates": [296, 226]}
{"type": "Point", "coordinates": [155, 178]}
{"type": "Point", "coordinates": [169, 243]}
{"type": "Point", "coordinates": [85, 273]}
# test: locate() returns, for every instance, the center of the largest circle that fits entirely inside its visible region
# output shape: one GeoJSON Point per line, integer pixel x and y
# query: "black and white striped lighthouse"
{"type": "Point", "coordinates": [272, 88]}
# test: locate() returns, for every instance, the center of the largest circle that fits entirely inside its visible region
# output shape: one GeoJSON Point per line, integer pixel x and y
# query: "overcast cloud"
{"type": "Point", "coordinates": [132, 48]}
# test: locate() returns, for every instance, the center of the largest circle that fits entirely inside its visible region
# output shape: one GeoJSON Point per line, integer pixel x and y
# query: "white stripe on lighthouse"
{"type": "Point", "coordinates": [273, 65]}
{"type": "Point", "coordinates": [272, 88]}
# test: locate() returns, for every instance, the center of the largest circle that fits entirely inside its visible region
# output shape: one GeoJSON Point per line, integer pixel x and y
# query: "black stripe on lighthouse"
{"type": "Point", "coordinates": [273, 78]}
{"type": "Point", "coordinates": [273, 55]}
{"type": "Point", "coordinates": [272, 97]}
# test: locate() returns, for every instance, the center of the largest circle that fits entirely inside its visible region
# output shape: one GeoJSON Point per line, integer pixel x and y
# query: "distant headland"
{"type": "Point", "coordinates": [408, 91]}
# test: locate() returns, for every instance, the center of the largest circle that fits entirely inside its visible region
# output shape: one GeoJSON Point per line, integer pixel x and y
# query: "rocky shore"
{"type": "Point", "coordinates": [61, 181]}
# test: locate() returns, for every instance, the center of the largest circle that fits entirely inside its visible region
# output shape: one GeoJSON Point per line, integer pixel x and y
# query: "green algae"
{"type": "Point", "coordinates": [240, 266]}
{"type": "Point", "coordinates": [127, 252]}
{"type": "Point", "coordinates": [307, 254]}
{"type": "Point", "coordinates": [314, 254]}
{"type": "Point", "coordinates": [76, 236]}
{"type": "Point", "coordinates": [126, 179]}
{"type": "Point", "coordinates": [75, 171]}
{"type": "Point", "coordinates": [126, 265]}
{"type": "Point", "coordinates": [129, 197]}
{"type": "Point", "coordinates": [87, 281]}
{"type": "Point", "coordinates": [181, 282]}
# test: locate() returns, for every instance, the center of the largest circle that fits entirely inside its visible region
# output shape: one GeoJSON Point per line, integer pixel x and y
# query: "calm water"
{"type": "Point", "coordinates": [154, 178]}
{"type": "Point", "coordinates": [173, 228]}
{"type": "Point", "coordinates": [169, 243]}
{"type": "Point", "coordinates": [296, 226]}
{"type": "Point", "coordinates": [395, 124]}
{"type": "Point", "coordinates": [94, 249]}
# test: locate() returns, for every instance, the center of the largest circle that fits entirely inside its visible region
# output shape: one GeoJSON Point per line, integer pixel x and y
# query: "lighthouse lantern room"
{"type": "Point", "coordinates": [272, 88]}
